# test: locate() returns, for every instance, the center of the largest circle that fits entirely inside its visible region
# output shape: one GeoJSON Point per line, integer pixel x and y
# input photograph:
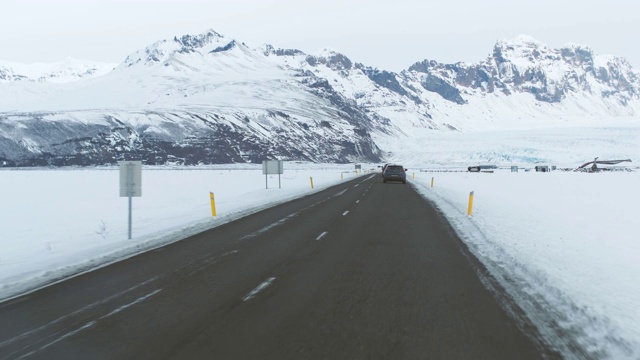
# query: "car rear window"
{"type": "Point", "coordinates": [395, 168]}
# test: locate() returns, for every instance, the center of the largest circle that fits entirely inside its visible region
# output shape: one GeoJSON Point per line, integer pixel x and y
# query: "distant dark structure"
{"type": "Point", "coordinates": [594, 164]}
{"type": "Point", "coordinates": [479, 168]}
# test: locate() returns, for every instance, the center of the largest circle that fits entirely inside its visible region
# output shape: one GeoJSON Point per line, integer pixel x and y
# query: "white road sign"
{"type": "Point", "coordinates": [130, 178]}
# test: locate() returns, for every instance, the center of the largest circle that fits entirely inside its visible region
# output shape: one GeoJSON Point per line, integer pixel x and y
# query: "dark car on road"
{"type": "Point", "coordinates": [394, 173]}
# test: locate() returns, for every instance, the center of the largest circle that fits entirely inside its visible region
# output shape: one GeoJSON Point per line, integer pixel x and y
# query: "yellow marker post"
{"type": "Point", "coordinates": [213, 204]}
{"type": "Point", "coordinates": [413, 176]}
{"type": "Point", "coordinates": [311, 181]}
{"type": "Point", "coordinates": [432, 183]}
{"type": "Point", "coordinates": [470, 209]}
{"type": "Point", "coordinates": [341, 176]}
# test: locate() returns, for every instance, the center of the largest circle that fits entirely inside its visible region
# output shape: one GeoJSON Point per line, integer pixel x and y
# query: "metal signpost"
{"type": "Point", "coordinates": [130, 183]}
{"type": "Point", "coordinates": [272, 167]}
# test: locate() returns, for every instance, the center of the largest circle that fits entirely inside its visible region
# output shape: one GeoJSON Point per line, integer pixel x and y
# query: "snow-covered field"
{"type": "Point", "coordinates": [563, 244]}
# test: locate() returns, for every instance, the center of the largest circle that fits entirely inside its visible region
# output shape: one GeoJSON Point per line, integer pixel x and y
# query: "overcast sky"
{"type": "Point", "coordinates": [390, 34]}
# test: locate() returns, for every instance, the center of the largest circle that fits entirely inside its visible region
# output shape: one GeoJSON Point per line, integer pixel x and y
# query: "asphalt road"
{"type": "Point", "coordinates": [363, 270]}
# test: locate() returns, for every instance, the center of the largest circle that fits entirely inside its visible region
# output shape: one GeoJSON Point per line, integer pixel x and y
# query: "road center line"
{"type": "Point", "coordinates": [357, 201]}
{"type": "Point", "coordinates": [345, 213]}
{"type": "Point", "coordinates": [258, 289]}
{"type": "Point", "coordinates": [341, 192]}
{"type": "Point", "coordinates": [322, 235]}
{"type": "Point", "coordinates": [126, 306]}
{"type": "Point", "coordinates": [268, 227]}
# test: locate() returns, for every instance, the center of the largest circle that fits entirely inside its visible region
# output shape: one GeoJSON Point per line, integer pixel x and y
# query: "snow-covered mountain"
{"type": "Point", "coordinates": [528, 66]}
{"type": "Point", "coordinates": [211, 99]}
{"type": "Point", "coordinates": [64, 71]}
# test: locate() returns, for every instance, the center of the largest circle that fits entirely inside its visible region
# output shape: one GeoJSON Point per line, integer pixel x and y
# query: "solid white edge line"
{"type": "Point", "coordinates": [93, 322]}
{"type": "Point", "coordinates": [67, 335]}
{"type": "Point", "coordinates": [74, 313]}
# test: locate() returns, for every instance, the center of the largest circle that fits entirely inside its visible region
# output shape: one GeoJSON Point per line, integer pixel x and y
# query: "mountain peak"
{"type": "Point", "coordinates": [524, 51]}
{"type": "Point", "coordinates": [527, 40]}
{"type": "Point", "coordinates": [198, 41]}
{"type": "Point", "coordinates": [159, 52]}
{"type": "Point", "coordinates": [522, 44]}
{"type": "Point", "coordinates": [576, 46]}
{"type": "Point", "coordinates": [331, 58]}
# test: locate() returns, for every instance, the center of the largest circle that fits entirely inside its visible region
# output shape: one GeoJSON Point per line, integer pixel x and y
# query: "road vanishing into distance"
{"type": "Point", "coordinates": [362, 270]}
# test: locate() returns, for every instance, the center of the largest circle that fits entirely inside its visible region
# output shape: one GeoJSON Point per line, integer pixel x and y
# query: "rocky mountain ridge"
{"type": "Point", "coordinates": [528, 66]}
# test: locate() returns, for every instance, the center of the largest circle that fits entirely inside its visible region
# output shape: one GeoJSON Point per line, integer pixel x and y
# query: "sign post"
{"type": "Point", "coordinates": [272, 167]}
{"type": "Point", "coordinates": [130, 183]}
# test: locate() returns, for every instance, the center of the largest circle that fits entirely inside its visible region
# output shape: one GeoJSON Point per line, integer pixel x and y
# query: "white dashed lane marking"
{"type": "Point", "coordinates": [258, 289]}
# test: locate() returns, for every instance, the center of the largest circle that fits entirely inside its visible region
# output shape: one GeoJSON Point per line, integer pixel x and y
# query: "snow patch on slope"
{"type": "Point", "coordinates": [67, 70]}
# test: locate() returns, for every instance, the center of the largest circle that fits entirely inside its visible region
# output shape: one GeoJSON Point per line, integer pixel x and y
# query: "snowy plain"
{"type": "Point", "coordinates": [563, 244]}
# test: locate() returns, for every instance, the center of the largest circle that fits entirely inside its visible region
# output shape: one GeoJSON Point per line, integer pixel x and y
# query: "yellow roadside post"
{"type": "Point", "coordinates": [431, 182]}
{"type": "Point", "coordinates": [413, 176]}
{"type": "Point", "coordinates": [470, 208]}
{"type": "Point", "coordinates": [341, 176]}
{"type": "Point", "coordinates": [213, 204]}
{"type": "Point", "coordinates": [311, 181]}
